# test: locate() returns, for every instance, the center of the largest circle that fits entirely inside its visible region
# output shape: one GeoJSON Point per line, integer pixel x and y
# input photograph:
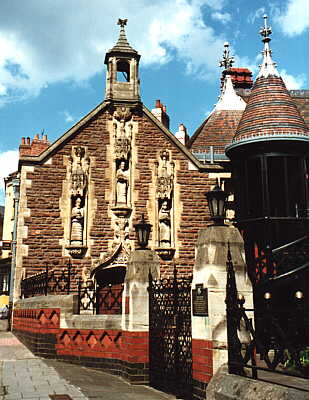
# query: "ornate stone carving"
{"type": "Point", "coordinates": [165, 205]}
{"type": "Point", "coordinates": [78, 192]}
{"type": "Point", "coordinates": [165, 176]}
{"type": "Point", "coordinates": [122, 133]}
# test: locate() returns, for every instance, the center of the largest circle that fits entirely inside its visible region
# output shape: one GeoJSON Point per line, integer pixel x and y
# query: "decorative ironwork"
{"type": "Point", "coordinates": [109, 299]}
{"type": "Point", "coordinates": [170, 335]}
{"type": "Point", "coordinates": [278, 341]}
{"type": "Point", "coordinates": [274, 264]}
{"type": "Point", "coordinates": [99, 300]}
{"type": "Point", "coordinates": [47, 282]}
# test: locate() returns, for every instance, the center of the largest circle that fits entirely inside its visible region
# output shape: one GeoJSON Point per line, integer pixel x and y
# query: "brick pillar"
{"type": "Point", "coordinates": [135, 317]}
{"type": "Point", "coordinates": [209, 336]}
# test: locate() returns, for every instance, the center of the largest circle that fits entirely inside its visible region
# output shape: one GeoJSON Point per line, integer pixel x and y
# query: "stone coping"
{"type": "Point", "coordinates": [69, 320]}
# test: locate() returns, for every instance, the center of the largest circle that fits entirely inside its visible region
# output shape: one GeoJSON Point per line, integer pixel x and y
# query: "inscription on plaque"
{"type": "Point", "coordinates": [200, 301]}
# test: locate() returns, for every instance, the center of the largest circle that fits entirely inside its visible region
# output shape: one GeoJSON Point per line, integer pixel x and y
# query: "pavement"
{"type": "Point", "coordinates": [25, 376]}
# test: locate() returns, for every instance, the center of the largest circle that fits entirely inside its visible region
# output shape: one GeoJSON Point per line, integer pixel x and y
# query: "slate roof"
{"type": "Point", "coordinates": [270, 111]}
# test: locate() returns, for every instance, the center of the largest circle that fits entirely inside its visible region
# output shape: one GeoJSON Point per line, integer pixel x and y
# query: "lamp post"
{"type": "Point", "coordinates": [142, 230]}
{"type": "Point", "coordinates": [16, 195]}
{"type": "Point", "coordinates": [216, 199]}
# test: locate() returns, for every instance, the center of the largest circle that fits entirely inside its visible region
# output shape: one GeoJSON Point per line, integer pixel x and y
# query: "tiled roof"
{"type": "Point", "coordinates": [270, 111]}
{"type": "Point", "coordinates": [218, 130]}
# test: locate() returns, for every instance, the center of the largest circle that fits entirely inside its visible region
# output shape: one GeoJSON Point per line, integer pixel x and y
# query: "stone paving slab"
{"type": "Point", "coordinates": [24, 376]}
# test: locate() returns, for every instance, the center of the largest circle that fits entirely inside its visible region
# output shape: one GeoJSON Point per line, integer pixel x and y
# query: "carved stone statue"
{"type": "Point", "coordinates": [77, 223]}
{"type": "Point", "coordinates": [164, 225]}
{"type": "Point", "coordinates": [122, 184]}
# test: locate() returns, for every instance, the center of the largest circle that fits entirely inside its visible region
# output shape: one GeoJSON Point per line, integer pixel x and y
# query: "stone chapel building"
{"type": "Point", "coordinates": [81, 196]}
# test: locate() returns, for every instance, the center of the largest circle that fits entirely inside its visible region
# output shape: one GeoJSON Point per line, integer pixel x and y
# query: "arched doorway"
{"type": "Point", "coordinates": [109, 283]}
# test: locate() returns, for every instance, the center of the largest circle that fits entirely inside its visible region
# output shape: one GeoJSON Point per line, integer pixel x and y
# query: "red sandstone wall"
{"type": "Point", "coordinates": [45, 225]}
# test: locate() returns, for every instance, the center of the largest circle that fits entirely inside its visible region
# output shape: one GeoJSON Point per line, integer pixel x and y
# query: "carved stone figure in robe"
{"type": "Point", "coordinates": [77, 223]}
{"type": "Point", "coordinates": [164, 225]}
{"type": "Point", "coordinates": [122, 184]}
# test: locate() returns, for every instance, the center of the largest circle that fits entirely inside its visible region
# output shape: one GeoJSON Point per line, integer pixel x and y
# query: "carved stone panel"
{"type": "Point", "coordinates": [165, 205]}
{"type": "Point", "coordinates": [78, 177]}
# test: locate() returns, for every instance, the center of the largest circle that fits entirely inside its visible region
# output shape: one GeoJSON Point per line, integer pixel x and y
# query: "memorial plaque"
{"type": "Point", "coordinates": [200, 301]}
{"type": "Point", "coordinates": [6, 245]}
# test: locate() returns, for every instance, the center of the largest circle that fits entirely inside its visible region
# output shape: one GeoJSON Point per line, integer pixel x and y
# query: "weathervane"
{"type": "Point", "coordinates": [227, 60]}
{"type": "Point", "coordinates": [122, 22]}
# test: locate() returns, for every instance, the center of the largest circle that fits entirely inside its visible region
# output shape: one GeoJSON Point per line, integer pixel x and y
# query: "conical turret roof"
{"type": "Point", "coordinates": [270, 111]}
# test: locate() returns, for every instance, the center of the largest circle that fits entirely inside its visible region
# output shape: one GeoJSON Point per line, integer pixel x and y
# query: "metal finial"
{"type": "Point", "coordinates": [266, 30]}
{"type": "Point", "coordinates": [227, 60]}
{"type": "Point", "coordinates": [122, 22]}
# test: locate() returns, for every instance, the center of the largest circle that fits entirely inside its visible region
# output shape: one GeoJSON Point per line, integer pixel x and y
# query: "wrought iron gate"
{"type": "Point", "coordinates": [170, 350]}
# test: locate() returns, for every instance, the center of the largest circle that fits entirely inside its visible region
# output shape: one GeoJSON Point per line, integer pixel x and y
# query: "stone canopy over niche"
{"type": "Point", "coordinates": [165, 221]}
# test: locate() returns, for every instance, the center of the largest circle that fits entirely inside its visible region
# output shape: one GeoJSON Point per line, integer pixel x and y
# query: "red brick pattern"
{"type": "Point", "coordinates": [202, 365]}
{"type": "Point", "coordinates": [40, 320]}
{"type": "Point", "coordinates": [131, 347]}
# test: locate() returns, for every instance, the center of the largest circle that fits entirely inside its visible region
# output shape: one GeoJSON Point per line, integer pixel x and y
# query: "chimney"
{"type": "Point", "coordinates": [182, 135]}
{"type": "Point", "coordinates": [35, 148]}
{"type": "Point", "coordinates": [160, 113]}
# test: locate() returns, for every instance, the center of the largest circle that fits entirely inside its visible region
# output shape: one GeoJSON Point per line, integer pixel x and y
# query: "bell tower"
{"type": "Point", "coordinates": [122, 81]}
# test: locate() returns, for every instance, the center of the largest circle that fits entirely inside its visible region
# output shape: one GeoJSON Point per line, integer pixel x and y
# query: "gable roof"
{"type": "Point", "coordinates": [92, 114]}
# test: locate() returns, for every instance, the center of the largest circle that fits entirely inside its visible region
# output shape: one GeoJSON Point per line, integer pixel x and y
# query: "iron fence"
{"type": "Point", "coordinates": [47, 282]}
{"type": "Point", "coordinates": [99, 300]}
{"type": "Point", "coordinates": [276, 340]}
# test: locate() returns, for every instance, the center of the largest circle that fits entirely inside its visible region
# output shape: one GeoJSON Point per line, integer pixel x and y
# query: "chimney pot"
{"type": "Point", "coordinates": [158, 104]}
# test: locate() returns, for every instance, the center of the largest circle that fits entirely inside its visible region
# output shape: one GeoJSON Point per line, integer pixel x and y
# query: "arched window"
{"type": "Point", "coordinates": [123, 71]}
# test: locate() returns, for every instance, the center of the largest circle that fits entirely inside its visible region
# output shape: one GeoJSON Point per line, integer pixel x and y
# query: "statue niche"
{"type": "Point", "coordinates": [164, 223]}
{"type": "Point", "coordinates": [122, 133]}
{"type": "Point", "coordinates": [122, 183]}
{"type": "Point", "coordinates": [79, 178]}
{"type": "Point", "coordinates": [164, 170]}
{"type": "Point", "coordinates": [77, 222]}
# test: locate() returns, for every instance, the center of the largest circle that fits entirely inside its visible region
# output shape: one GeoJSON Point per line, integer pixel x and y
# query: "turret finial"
{"type": "Point", "coordinates": [227, 60]}
{"type": "Point", "coordinates": [268, 66]}
{"type": "Point", "coordinates": [122, 22]}
{"type": "Point", "coordinates": [266, 30]}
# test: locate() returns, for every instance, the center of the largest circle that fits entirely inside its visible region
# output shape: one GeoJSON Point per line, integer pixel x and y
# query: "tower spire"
{"type": "Point", "coordinates": [268, 66]}
{"type": "Point", "coordinates": [228, 100]}
{"type": "Point", "coordinates": [227, 60]}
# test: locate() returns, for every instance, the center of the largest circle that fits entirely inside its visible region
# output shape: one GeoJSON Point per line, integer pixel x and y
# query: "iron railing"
{"type": "Point", "coordinates": [99, 300]}
{"type": "Point", "coordinates": [47, 282]}
{"type": "Point", "coordinates": [170, 335]}
{"type": "Point", "coordinates": [277, 341]}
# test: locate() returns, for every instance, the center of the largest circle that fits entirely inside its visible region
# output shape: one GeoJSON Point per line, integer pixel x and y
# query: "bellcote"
{"type": "Point", "coordinates": [122, 81]}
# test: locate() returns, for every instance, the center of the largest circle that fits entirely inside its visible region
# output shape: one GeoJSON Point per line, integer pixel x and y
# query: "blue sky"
{"type": "Point", "coordinates": [52, 52]}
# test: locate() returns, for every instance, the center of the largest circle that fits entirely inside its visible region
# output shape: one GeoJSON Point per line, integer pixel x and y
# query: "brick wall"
{"type": "Point", "coordinates": [202, 366]}
{"type": "Point", "coordinates": [115, 351]}
{"type": "Point", "coordinates": [45, 226]}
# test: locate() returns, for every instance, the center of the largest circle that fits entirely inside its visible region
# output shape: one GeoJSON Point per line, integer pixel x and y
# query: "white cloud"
{"type": "Point", "coordinates": [68, 117]}
{"type": "Point", "coordinates": [293, 82]}
{"type": "Point", "coordinates": [256, 15]}
{"type": "Point", "coordinates": [56, 41]}
{"type": "Point", "coordinates": [222, 17]}
{"type": "Point", "coordinates": [8, 164]}
{"type": "Point", "coordinates": [294, 19]}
